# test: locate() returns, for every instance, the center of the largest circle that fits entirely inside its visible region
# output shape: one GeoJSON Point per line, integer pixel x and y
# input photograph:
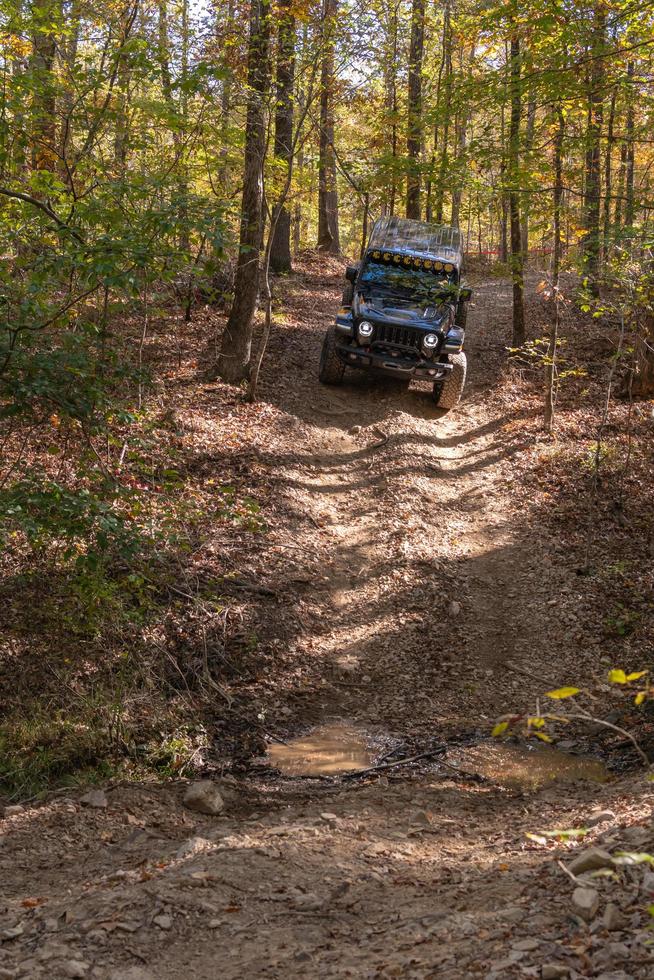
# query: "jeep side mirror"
{"type": "Point", "coordinates": [351, 273]}
{"type": "Point", "coordinates": [465, 294]}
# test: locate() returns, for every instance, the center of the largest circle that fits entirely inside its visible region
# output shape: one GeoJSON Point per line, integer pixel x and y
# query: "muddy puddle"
{"type": "Point", "coordinates": [527, 767]}
{"type": "Point", "coordinates": [325, 751]}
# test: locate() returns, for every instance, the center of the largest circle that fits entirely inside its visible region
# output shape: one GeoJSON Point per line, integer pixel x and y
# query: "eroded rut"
{"type": "Point", "coordinates": [424, 616]}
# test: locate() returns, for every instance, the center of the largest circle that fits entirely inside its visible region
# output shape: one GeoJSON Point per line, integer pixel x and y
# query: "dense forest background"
{"type": "Point", "coordinates": [159, 158]}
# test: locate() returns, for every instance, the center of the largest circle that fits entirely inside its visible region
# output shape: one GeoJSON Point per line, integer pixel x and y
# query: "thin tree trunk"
{"type": "Point", "coordinates": [528, 147]}
{"type": "Point", "coordinates": [328, 236]}
{"type": "Point", "coordinates": [445, 80]}
{"type": "Point", "coordinates": [390, 85]}
{"type": "Point", "coordinates": [514, 196]}
{"type": "Point", "coordinates": [608, 176]}
{"type": "Point", "coordinates": [461, 130]}
{"type": "Point", "coordinates": [236, 347]}
{"type": "Point", "coordinates": [414, 110]}
{"type": "Point", "coordinates": [629, 209]}
{"type": "Point", "coordinates": [280, 249]}
{"type": "Point", "coordinates": [225, 27]}
{"type": "Point", "coordinates": [44, 125]}
{"type": "Point", "coordinates": [550, 371]}
{"type": "Point", "coordinates": [67, 101]}
{"type": "Point", "coordinates": [592, 243]}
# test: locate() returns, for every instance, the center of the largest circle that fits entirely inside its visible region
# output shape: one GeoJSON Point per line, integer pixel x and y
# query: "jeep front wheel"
{"type": "Point", "coordinates": [331, 369]}
{"type": "Point", "coordinates": [448, 393]}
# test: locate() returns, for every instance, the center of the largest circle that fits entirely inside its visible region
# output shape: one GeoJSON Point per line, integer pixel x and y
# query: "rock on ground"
{"type": "Point", "coordinates": [203, 796]}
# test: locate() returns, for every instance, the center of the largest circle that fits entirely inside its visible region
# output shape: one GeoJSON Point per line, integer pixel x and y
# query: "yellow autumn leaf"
{"type": "Point", "coordinates": [636, 675]}
{"type": "Point", "coordinates": [562, 692]}
{"type": "Point", "coordinates": [640, 697]}
{"type": "Point", "coordinates": [617, 677]}
{"type": "Point", "coordinates": [500, 728]}
{"type": "Point", "coordinates": [542, 736]}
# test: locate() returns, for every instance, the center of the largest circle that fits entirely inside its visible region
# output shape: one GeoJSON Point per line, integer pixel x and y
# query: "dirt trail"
{"type": "Point", "coordinates": [423, 613]}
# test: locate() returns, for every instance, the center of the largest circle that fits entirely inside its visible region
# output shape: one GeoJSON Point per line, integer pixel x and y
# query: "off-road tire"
{"type": "Point", "coordinates": [447, 393]}
{"type": "Point", "coordinates": [461, 314]}
{"type": "Point", "coordinates": [331, 369]}
{"type": "Point", "coordinates": [348, 294]}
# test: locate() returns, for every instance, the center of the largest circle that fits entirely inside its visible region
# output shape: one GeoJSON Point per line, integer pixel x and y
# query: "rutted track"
{"type": "Point", "coordinates": [423, 614]}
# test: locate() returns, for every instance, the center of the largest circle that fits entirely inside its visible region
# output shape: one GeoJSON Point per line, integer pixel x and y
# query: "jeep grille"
{"type": "Point", "coordinates": [403, 338]}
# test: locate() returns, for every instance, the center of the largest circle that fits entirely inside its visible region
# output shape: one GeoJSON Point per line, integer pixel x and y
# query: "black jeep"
{"type": "Point", "coordinates": [404, 309]}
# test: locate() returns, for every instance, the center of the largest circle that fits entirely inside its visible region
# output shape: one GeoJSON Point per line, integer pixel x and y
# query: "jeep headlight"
{"type": "Point", "coordinates": [430, 342]}
{"type": "Point", "coordinates": [365, 330]}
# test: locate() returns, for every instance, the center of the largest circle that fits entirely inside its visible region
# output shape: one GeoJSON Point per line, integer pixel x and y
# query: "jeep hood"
{"type": "Point", "coordinates": [380, 304]}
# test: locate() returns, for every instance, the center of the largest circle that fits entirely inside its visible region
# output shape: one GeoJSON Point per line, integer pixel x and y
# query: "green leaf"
{"type": "Point", "coordinates": [562, 692]}
{"type": "Point", "coordinates": [632, 857]}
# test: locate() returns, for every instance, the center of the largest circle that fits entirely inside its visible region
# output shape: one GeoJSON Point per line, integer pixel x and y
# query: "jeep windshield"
{"type": "Point", "coordinates": [420, 285]}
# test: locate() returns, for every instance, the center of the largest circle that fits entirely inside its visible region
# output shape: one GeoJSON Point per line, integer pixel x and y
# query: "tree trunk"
{"type": "Point", "coordinates": [224, 27]}
{"type": "Point", "coordinates": [550, 370]}
{"type": "Point", "coordinates": [642, 385]}
{"type": "Point", "coordinates": [592, 242]}
{"type": "Point", "coordinates": [461, 131]}
{"type": "Point", "coordinates": [44, 125]}
{"type": "Point", "coordinates": [414, 110]}
{"type": "Point", "coordinates": [629, 209]}
{"type": "Point", "coordinates": [514, 196]}
{"type": "Point", "coordinates": [528, 147]}
{"type": "Point", "coordinates": [328, 238]}
{"type": "Point", "coordinates": [391, 114]}
{"type": "Point", "coordinates": [177, 113]}
{"type": "Point", "coordinates": [69, 58]}
{"type": "Point", "coordinates": [236, 347]}
{"type": "Point", "coordinates": [280, 249]}
{"type": "Point", "coordinates": [445, 80]}
{"type": "Point", "coordinates": [608, 177]}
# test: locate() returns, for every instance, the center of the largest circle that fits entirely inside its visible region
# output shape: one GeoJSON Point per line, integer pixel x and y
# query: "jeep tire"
{"type": "Point", "coordinates": [447, 393]}
{"type": "Point", "coordinates": [348, 294]}
{"type": "Point", "coordinates": [331, 368]}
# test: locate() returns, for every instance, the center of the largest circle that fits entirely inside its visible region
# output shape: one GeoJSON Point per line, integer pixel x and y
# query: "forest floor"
{"type": "Point", "coordinates": [420, 575]}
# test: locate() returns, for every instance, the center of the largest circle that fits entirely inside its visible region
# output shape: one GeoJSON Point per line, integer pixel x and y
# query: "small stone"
{"type": "Point", "coordinates": [355, 430]}
{"type": "Point", "coordinates": [591, 859]}
{"type": "Point", "coordinates": [613, 919]}
{"type": "Point", "coordinates": [73, 968]}
{"type": "Point", "coordinates": [421, 817]}
{"type": "Point", "coordinates": [329, 817]}
{"type": "Point", "coordinates": [308, 902]}
{"type": "Point", "coordinates": [585, 902]}
{"type": "Point", "coordinates": [203, 797]}
{"type": "Point", "coordinates": [454, 609]}
{"type": "Point", "coordinates": [215, 923]}
{"type": "Point", "coordinates": [13, 810]}
{"type": "Point", "coordinates": [163, 921]}
{"type": "Point", "coordinates": [131, 973]}
{"type": "Point", "coordinates": [526, 945]}
{"type": "Point", "coordinates": [95, 798]}
{"type": "Point", "coordinates": [647, 884]}
{"type": "Point", "coordinates": [196, 845]}
{"type": "Point", "coordinates": [13, 933]}
{"type": "Point", "coordinates": [599, 816]}
{"type": "Point", "coordinates": [554, 971]}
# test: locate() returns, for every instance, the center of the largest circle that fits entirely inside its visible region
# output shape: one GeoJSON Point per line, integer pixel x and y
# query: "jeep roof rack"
{"type": "Point", "coordinates": [419, 238]}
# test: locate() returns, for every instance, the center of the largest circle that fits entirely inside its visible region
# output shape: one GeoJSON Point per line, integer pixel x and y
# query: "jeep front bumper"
{"type": "Point", "coordinates": [391, 362]}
